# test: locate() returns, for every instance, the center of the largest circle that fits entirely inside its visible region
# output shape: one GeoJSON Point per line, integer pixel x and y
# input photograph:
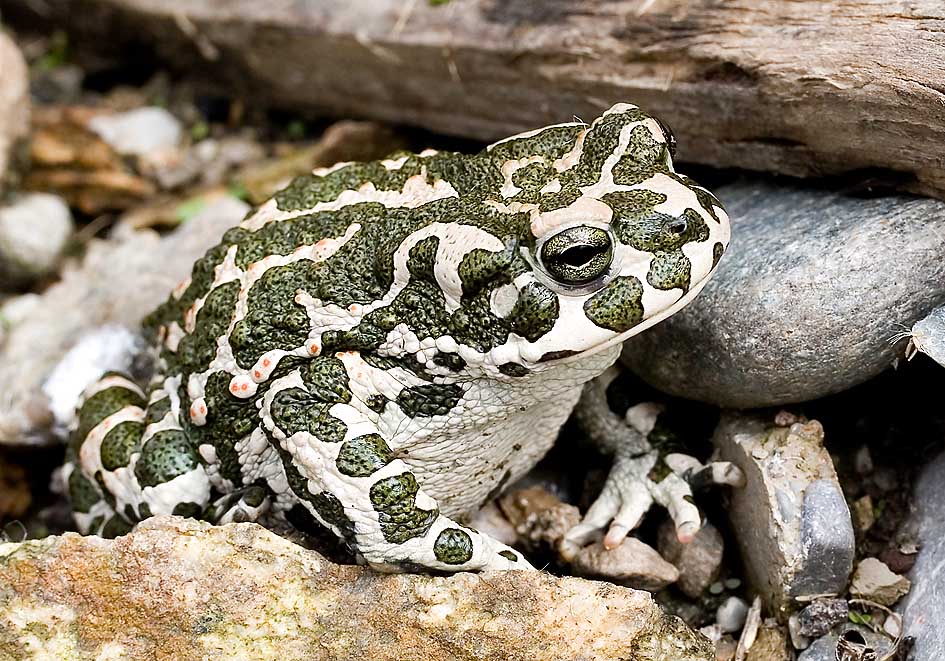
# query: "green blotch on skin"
{"type": "Point", "coordinates": [717, 250]}
{"type": "Point", "coordinates": [618, 306]}
{"type": "Point", "coordinates": [164, 456]}
{"type": "Point", "coordinates": [197, 349]}
{"type": "Point", "coordinates": [120, 443]}
{"type": "Point", "coordinates": [670, 270]}
{"type": "Point", "coordinates": [429, 399]}
{"type": "Point", "coordinates": [116, 526]}
{"type": "Point", "coordinates": [394, 499]}
{"type": "Point", "coordinates": [535, 312]}
{"type": "Point", "coordinates": [157, 410]}
{"type": "Point", "coordinates": [453, 546]}
{"type": "Point", "coordinates": [644, 157]}
{"type": "Point", "coordinates": [508, 555]}
{"type": "Point", "coordinates": [83, 493]}
{"type": "Point", "coordinates": [332, 512]}
{"type": "Point", "coordinates": [513, 369]}
{"type": "Point", "coordinates": [101, 405]}
{"type": "Point", "coordinates": [363, 456]}
{"type": "Point", "coordinates": [294, 410]}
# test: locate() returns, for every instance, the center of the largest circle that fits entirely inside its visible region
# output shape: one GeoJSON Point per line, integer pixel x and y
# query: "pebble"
{"type": "Point", "coordinates": [820, 616]}
{"type": "Point", "coordinates": [117, 283]}
{"type": "Point", "coordinates": [34, 231]}
{"type": "Point", "coordinates": [928, 335]}
{"type": "Point", "coordinates": [790, 520]}
{"type": "Point", "coordinates": [800, 308]}
{"type": "Point", "coordinates": [923, 607]}
{"type": "Point", "coordinates": [633, 563]}
{"type": "Point", "coordinates": [731, 615]}
{"type": "Point", "coordinates": [139, 132]}
{"type": "Point", "coordinates": [698, 561]}
{"type": "Point", "coordinates": [874, 581]}
{"type": "Point", "coordinates": [825, 647]}
{"type": "Point", "coordinates": [14, 100]}
{"type": "Point", "coordinates": [771, 644]}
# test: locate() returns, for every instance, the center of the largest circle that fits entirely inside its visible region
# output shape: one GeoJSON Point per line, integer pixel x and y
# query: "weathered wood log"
{"type": "Point", "coordinates": [178, 589]}
{"type": "Point", "coordinates": [801, 88]}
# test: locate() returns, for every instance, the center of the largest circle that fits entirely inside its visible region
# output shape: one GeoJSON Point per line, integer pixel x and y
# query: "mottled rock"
{"type": "Point", "coordinates": [821, 615]}
{"type": "Point", "coordinates": [924, 607]}
{"type": "Point", "coordinates": [34, 232]}
{"type": "Point", "coordinates": [731, 615]}
{"type": "Point", "coordinates": [14, 100]}
{"type": "Point", "coordinates": [825, 647]}
{"type": "Point", "coordinates": [698, 561]}
{"type": "Point", "coordinates": [539, 517]}
{"type": "Point", "coordinates": [181, 589]}
{"type": "Point", "coordinates": [138, 132]}
{"type": "Point", "coordinates": [806, 298]}
{"type": "Point", "coordinates": [873, 581]}
{"type": "Point", "coordinates": [118, 283]}
{"type": "Point", "coordinates": [790, 520]}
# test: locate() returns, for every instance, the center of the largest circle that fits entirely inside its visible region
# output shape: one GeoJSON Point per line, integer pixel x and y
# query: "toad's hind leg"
{"type": "Point", "coordinates": [129, 460]}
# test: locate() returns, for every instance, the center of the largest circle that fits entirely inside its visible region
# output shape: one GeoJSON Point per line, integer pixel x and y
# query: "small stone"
{"type": "Point", "coordinates": [864, 515]}
{"type": "Point", "coordinates": [863, 461]}
{"type": "Point", "coordinates": [540, 518]}
{"type": "Point", "coordinates": [897, 561]}
{"type": "Point", "coordinates": [717, 588]}
{"type": "Point", "coordinates": [14, 100]}
{"type": "Point", "coordinates": [731, 615]}
{"type": "Point", "coordinates": [732, 583]}
{"type": "Point", "coordinates": [771, 644]}
{"type": "Point", "coordinates": [791, 521]}
{"type": "Point", "coordinates": [892, 625]}
{"type": "Point", "coordinates": [825, 647]}
{"type": "Point", "coordinates": [139, 132]}
{"type": "Point", "coordinates": [874, 581]}
{"type": "Point", "coordinates": [34, 232]}
{"type": "Point", "coordinates": [820, 616]}
{"type": "Point", "coordinates": [928, 336]}
{"type": "Point", "coordinates": [798, 640]}
{"type": "Point", "coordinates": [725, 648]}
{"type": "Point", "coordinates": [698, 561]}
{"type": "Point", "coordinates": [885, 479]}
{"type": "Point", "coordinates": [633, 563]}
{"type": "Point", "coordinates": [489, 520]}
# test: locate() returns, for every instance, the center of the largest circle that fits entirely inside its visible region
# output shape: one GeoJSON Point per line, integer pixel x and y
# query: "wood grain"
{"type": "Point", "coordinates": [803, 88]}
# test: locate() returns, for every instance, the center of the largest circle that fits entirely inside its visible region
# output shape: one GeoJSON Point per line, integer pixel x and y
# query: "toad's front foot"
{"type": "Point", "coordinates": [645, 470]}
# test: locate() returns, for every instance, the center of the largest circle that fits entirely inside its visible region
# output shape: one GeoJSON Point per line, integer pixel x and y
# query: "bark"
{"type": "Point", "coordinates": [801, 88]}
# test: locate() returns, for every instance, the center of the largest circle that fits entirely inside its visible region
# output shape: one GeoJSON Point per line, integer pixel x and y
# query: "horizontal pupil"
{"type": "Point", "coordinates": [578, 255]}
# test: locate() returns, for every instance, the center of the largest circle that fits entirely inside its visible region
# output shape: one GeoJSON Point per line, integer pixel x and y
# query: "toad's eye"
{"type": "Point", "coordinates": [668, 137]}
{"type": "Point", "coordinates": [577, 255]}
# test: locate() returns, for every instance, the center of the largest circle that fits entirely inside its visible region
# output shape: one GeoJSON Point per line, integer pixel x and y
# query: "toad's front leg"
{"type": "Point", "coordinates": [367, 495]}
{"type": "Point", "coordinates": [646, 467]}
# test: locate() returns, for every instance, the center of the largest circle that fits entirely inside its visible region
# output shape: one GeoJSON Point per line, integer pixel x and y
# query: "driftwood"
{"type": "Point", "coordinates": [800, 88]}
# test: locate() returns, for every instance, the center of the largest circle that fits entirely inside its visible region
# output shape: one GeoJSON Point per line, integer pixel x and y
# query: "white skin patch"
{"type": "Point", "coordinates": [503, 300]}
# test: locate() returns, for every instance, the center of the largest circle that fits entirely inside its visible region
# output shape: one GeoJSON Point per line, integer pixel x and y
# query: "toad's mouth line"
{"type": "Point", "coordinates": [622, 337]}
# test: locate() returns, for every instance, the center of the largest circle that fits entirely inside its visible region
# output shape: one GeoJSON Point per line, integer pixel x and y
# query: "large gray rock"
{"type": "Point", "coordinates": [118, 283]}
{"type": "Point", "coordinates": [805, 301]}
{"type": "Point", "coordinates": [14, 99]}
{"type": "Point", "coordinates": [924, 607]}
{"type": "Point", "coordinates": [178, 589]}
{"type": "Point", "coordinates": [790, 519]}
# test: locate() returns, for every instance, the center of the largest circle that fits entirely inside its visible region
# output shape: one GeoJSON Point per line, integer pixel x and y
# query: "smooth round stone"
{"type": "Point", "coordinates": [806, 300]}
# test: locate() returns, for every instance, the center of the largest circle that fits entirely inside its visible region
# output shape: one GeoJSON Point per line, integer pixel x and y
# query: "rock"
{"type": "Point", "coordinates": [771, 644]}
{"type": "Point", "coordinates": [34, 232]}
{"type": "Point", "coordinates": [14, 100]}
{"type": "Point", "coordinates": [864, 514]}
{"type": "Point", "coordinates": [821, 615]}
{"type": "Point", "coordinates": [825, 647]}
{"type": "Point", "coordinates": [490, 521]}
{"type": "Point", "coordinates": [800, 308]}
{"type": "Point", "coordinates": [731, 615]}
{"type": "Point", "coordinates": [182, 589]}
{"type": "Point", "coordinates": [118, 283]}
{"type": "Point", "coordinates": [633, 563]}
{"type": "Point", "coordinates": [873, 581]}
{"type": "Point", "coordinates": [928, 335]}
{"type": "Point", "coordinates": [790, 520]}
{"type": "Point", "coordinates": [139, 132]}
{"type": "Point", "coordinates": [698, 561]}
{"type": "Point", "coordinates": [539, 517]}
